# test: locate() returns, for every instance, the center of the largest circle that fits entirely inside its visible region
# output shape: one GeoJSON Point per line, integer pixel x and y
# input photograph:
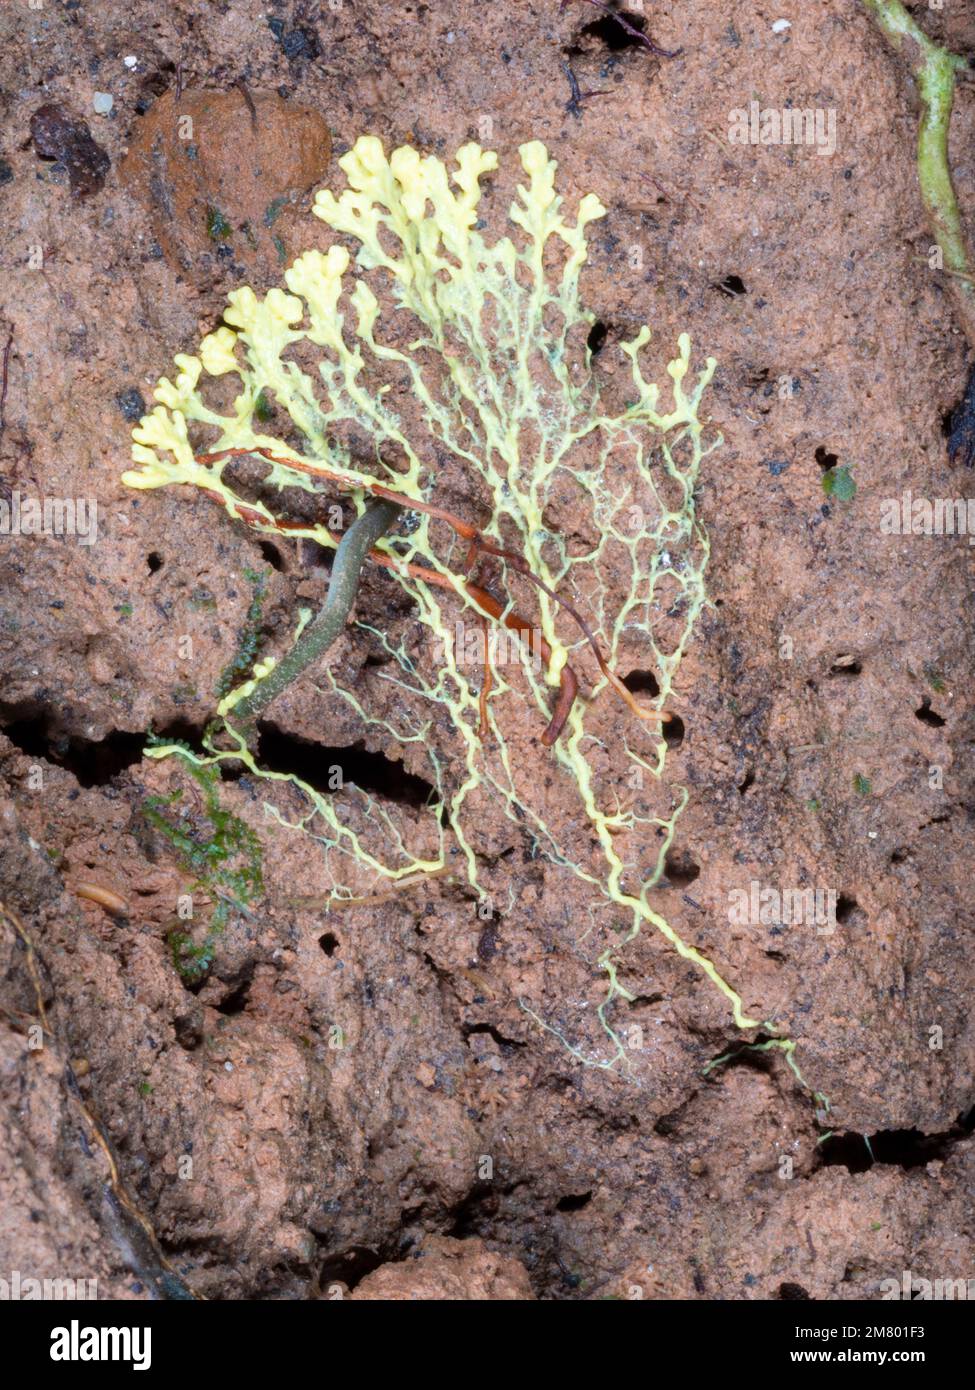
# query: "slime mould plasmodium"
{"type": "Point", "coordinates": [489, 339]}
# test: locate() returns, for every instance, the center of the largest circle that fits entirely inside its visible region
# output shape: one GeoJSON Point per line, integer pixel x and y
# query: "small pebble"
{"type": "Point", "coordinates": [102, 102]}
{"type": "Point", "coordinates": [130, 60]}
{"type": "Point", "coordinates": [780, 26]}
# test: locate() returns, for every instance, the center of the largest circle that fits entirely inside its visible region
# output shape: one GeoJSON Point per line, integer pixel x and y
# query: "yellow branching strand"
{"type": "Point", "coordinates": [494, 365]}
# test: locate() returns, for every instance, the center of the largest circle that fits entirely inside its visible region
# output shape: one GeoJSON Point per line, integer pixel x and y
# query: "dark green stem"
{"type": "Point", "coordinates": [322, 631]}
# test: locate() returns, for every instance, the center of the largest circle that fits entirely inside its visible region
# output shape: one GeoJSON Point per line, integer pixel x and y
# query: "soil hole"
{"type": "Point", "coordinates": [350, 1267]}
{"type": "Point", "coordinates": [93, 763]}
{"type": "Point", "coordinates": [902, 1148]}
{"type": "Point", "coordinates": [597, 337]}
{"type": "Point", "coordinates": [825, 459]}
{"type": "Point", "coordinates": [329, 943]}
{"type": "Point", "coordinates": [845, 907]}
{"type": "Point", "coordinates": [272, 555]}
{"type": "Point", "coordinates": [611, 30]}
{"type": "Point", "coordinates": [573, 1202]}
{"type": "Point", "coordinates": [846, 666]}
{"type": "Point", "coordinates": [189, 1029]}
{"type": "Point", "coordinates": [236, 1000]}
{"type": "Point", "coordinates": [329, 769]}
{"type": "Point", "coordinates": [959, 427]}
{"type": "Point", "coordinates": [475, 1213]}
{"type": "Point", "coordinates": [153, 85]}
{"type": "Point", "coordinates": [929, 716]}
{"type": "Point", "coordinates": [642, 683]}
{"type": "Point", "coordinates": [745, 1055]}
{"type": "Point", "coordinates": [680, 869]}
{"type": "Point", "coordinates": [791, 1292]}
{"type": "Point", "coordinates": [155, 561]}
{"type": "Point", "coordinates": [489, 1029]}
{"type": "Point", "coordinates": [732, 286]}
{"type": "Point", "coordinates": [667, 1125]}
{"type": "Point", "coordinates": [747, 781]}
{"type": "Point", "coordinates": [673, 731]}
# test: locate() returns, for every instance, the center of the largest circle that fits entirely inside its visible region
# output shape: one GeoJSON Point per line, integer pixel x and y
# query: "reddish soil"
{"type": "Point", "coordinates": [450, 1148]}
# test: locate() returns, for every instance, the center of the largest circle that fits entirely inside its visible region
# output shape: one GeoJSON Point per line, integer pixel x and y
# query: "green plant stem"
{"type": "Point", "coordinates": [934, 71]}
{"type": "Point", "coordinates": [322, 631]}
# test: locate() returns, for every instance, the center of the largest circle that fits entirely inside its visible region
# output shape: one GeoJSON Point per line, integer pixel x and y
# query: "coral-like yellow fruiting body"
{"type": "Point", "coordinates": [483, 342]}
